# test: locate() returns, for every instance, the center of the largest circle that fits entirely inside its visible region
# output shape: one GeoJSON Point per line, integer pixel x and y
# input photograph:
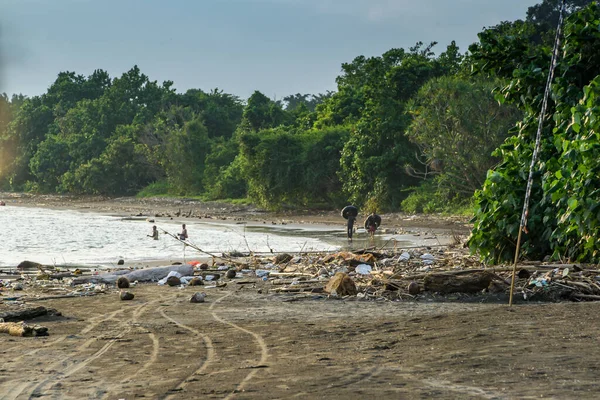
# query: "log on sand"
{"type": "Point", "coordinates": [22, 329]}
{"type": "Point", "coordinates": [449, 283]}
{"type": "Point", "coordinates": [26, 314]}
{"type": "Point", "coordinates": [142, 275]}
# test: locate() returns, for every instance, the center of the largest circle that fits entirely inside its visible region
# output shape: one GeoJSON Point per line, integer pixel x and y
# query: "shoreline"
{"type": "Point", "coordinates": [175, 210]}
{"type": "Point", "coordinates": [182, 210]}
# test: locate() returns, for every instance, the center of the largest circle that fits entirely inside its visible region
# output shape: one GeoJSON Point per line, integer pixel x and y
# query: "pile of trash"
{"type": "Point", "coordinates": [418, 273]}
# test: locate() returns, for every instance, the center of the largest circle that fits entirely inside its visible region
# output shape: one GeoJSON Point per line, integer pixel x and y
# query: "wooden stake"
{"type": "Point", "coordinates": [514, 271]}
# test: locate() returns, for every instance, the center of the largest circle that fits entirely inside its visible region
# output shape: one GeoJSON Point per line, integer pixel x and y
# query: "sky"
{"type": "Point", "coordinates": [279, 47]}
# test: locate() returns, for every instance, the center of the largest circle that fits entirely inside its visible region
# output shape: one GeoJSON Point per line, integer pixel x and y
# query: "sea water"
{"type": "Point", "coordinates": [63, 237]}
{"type": "Point", "coordinates": [66, 237]}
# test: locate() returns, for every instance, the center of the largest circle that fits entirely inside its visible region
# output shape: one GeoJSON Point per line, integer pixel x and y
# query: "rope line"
{"type": "Point", "coordinates": [536, 150]}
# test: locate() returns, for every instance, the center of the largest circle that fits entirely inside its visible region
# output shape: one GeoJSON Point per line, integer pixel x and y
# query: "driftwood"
{"type": "Point", "coordinates": [141, 275]}
{"type": "Point", "coordinates": [26, 314]}
{"type": "Point", "coordinates": [60, 296]}
{"type": "Point", "coordinates": [448, 283]}
{"type": "Point", "coordinates": [316, 289]}
{"type": "Point", "coordinates": [22, 329]}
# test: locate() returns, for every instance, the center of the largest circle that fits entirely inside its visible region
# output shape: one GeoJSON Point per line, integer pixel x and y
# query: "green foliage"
{"type": "Point", "coordinates": [433, 197]}
{"type": "Point", "coordinates": [563, 213]}
{"type": "Point", "coordinates": [221, 112]}
{"type": "Point", "coordinates": [187, 149]}
{"type": "Point", "coordinates": [457, 124]}
{"type": "Point", "coordinates": [263, 113]}
{"type": "Point", "coordinates": [282, 166]}
{"type": "Point", "coordinates": [155, 189]}
{"type": "Point", "coordinates": [373, 93]}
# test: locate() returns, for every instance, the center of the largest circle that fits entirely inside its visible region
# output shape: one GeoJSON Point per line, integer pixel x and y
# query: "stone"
{"type": "Point", "coordinates": [123, 282]}
{"type": "Point", "coordinates": [198, 297]}
{"type": "Point", "coordinates": [127, 296]}
{"type": "Point", "coordinates": [204, 266]}
{"type": "Point", "coordinates": [231, 274]}
{"type": "Point", "coordinates": [196, 282]}
{"type": "Point", "coordinates": [342, 285]}
{"type": "Point", "coordinates": [121, 262]}
{"type": "Point", "coordinates": [173, 281]}
{"type": "Point", "coordinates": [414, 288]}
{"type": "Point", "coordinates": [29, 265]}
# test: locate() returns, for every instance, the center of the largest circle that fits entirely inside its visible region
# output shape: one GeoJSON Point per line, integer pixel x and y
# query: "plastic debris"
{"type": "Point", "coordinates": [363, 269]}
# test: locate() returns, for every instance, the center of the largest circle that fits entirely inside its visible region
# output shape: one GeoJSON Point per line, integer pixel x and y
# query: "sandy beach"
{"type": "Point", "coordinates": [248, 342]}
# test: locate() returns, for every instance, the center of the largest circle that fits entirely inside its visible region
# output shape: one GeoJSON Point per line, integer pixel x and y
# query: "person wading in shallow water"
{"type": "Point", "coordinates": [372, 223]}
{"type": "Point", "coordinates": [350, 213]}
{"type": "Point", "coordinates": [154, 233]}
{"type": "Point", "coordinates": [351, 219]}
{"type": "Point", "coordinates": [183, 235]}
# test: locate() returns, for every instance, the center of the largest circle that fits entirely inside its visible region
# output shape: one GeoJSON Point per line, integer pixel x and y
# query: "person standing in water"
{"type": "Point", "coordinates": [351, 219]}
{"type": "Point", "coordinates": [372, 223]}
{"type": "Point", "coordinates": [350, 213]}
{"type": "Point", "coordinates": [183, 235]}
{"type": "Point", "coordinates": [154, 233]}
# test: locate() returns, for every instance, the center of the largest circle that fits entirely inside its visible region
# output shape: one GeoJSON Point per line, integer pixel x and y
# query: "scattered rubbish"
{"type": "Point", "coordinates": [22, 329]}
{"type": "Point", "coordinates": [363, 269]}
{"type": "Point", "coordinates": [262, 273]}
{"type": "Point", "coordinates": [404, 257]}
{"type": "Point", "coordinates": [282, 258]}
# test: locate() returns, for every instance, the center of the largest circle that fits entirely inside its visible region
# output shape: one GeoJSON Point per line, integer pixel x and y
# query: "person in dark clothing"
{"type": "Point", "coordinates": [372, 223]}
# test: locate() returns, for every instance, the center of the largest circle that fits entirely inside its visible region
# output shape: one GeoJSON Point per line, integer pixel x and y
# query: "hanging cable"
{"type": "Point", "coordinates": [536, 150]}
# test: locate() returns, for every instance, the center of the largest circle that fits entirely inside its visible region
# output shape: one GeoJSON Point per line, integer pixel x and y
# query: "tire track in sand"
{"type": "Point", "coordinates": [23, 385]}
{"type": "Point", "coordinates": [155, 343]}
{"type": "Point", "coordinates": [264, 351]}
{"type": "Point", "coordinates": [98, 320]}
{"type": "Point", "coordinates": [74, 367]}
{"type": "Point", "coordinates": [210, 352]}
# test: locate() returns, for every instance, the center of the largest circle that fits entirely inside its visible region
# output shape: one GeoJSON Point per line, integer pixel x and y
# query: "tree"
{"type": "Point", "coordinates": [263, 113]}
{"type": "Point", "coordinates": [220, 111]}
{"type": "Point", "coordinates": [563, 215]}
{"type": "Point", "coordinates": [186, 151]}
{"type": "Point", "coordinates": [310, 101]}
{"type": "Point", "coordinates": [457, 123]}
{"type": "Point", "coordinates": [374, 92]}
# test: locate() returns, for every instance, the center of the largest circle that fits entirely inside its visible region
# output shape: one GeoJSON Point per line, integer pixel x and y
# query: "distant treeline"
{"type": "Point", "coordinates": [408, 129]}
